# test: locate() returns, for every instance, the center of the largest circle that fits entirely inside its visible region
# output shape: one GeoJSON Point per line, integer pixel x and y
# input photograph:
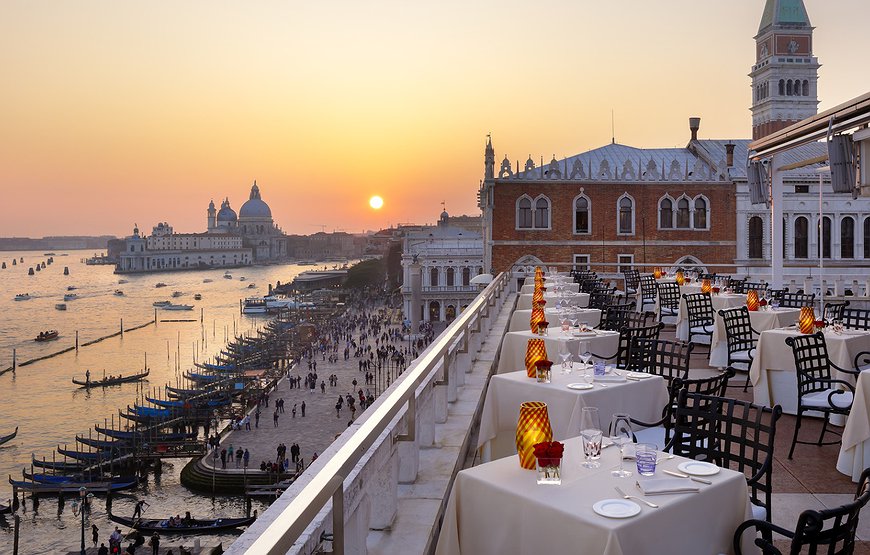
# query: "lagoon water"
{"type": "Point", "coordinates": [49, 410]}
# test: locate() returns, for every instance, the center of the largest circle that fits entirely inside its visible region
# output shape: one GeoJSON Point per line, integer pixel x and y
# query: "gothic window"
{"type": "Point", "coordinates": [524, 213]}
{"type": "Point", "coordinates": [433, 277]}
{"type": "Point", "coordinates": [581, 214]}
{"type": "Point", "coordinates": [700, 213]}
{"type": "Point", "coordinates": [450, 274]}
{"type": "Point", "coordinates": [683, 213]}
{"type": "Point", "coordinates": [466, 276]}
{"type": "Point", "coordinates": [788, 88]}
{"type": "Point", "coordinates": [626, 215]}
{"type": "Point", "coordinates": [666, 213]}
{"type": "Point", "coordinates": [806, 88]}
{"type": "Point", "coordinates": [756, 237]}
{"type": "Point", "coordinates": [801, 237]}
{"type": "Point", "coordinates": [847, 237]}
{"type": "Point", "coordinates": [542, 213]}
{"type": "Point", "coordinates": [781, 87]}
{"type": "Point", "coordinates": [824, 238]}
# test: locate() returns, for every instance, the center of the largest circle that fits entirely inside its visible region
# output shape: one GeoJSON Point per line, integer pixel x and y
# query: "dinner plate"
{"type": "Point", "coordinates": [698, 468]}
{"type": "Point", "coordinates": [579, 386]}
{"type": "Point", "coordinates": [639, 375]}
{"type": "Point", "coordinates": [616, 508]}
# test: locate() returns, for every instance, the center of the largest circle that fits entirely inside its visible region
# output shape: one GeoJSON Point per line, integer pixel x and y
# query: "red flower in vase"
{"type": "Point", "coordinates": [549, 453]}
{"type": "Point", "coordinates": [544, 324]}
{"type": "Point", "coordinates": [762, 302]}
{"type": "Point", "coordinates": [715, 289]}
{"type": "Point", "coordinates": [819, 324]}
{"type": "Point", "coordinates": [545, 364]}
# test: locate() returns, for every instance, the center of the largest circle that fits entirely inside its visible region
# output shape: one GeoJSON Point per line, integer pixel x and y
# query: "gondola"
{"type": "Point", "coordinates": [144, 436]}
{"type": "Point", "coordinates": [202, 378]}
{"type": "Point", "coordinates": [195, 526]}
{"type": "Point", "coordinates": [75, 479]}
{"type": "Point", "coordinates": [5, 509]}
{"type": "Point", "coordinates": [10, 437]}
{"type": "Point", "coordinates": [59, 466]}
{"type": "Point", "coordinates": [86, 455]}
{"type": "Point", "coordinates": [71, 487]}
{"type": "Point", "coordinates": [106, 382]}
{"type": "Point", "coordinates": [103, 443]}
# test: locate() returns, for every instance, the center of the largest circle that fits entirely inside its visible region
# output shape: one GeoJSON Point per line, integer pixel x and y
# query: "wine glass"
{"type": "Point", "coordinates": [573, 319]}
{"type": "Point", "coordinates": [620, 433]}
{"type": "Point", "coordinates": [564, 354]}
{"type": "Point", "coordinates": [585, 355]}
{"type": "Point", "coordinates": [591, 435]}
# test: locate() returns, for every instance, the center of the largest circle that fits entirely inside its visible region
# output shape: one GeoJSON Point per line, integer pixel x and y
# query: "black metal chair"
{"type": "Point", "coordinates": [737, 285]}
{"type": "Point", "coordinates": [753, 286]}
{"type": "Point", "coordinates": [669, 300]}
{"type": "Point", "coordinates": [834, 311]}
{"type": "Point", "coordinates": [741, 339]}
{"type": "Point", "coordinates": [856, 318]}
{"type": "Point", "coordinates": [668, 359]}
{"type": "Point", "coordinates": [626, 336]}
{"type": "Point", "coordinates": [732, 434]}
{"type": "Point", "coordinates": [699, 312]}
{"type": "Point", "coordinates": [649, 291]}
{"type": "Point", "coordinates": [796, 300]}
{"type": "Point", "coordinates": [830, 531]}
{"type": "Point", "coordinates": [621, 315]}
{"type": "Point", "coordinates": [632, 282]}
{"type": "Point", "coordinates": [602, 297]}
{"type": "Point", "coordinates": [816, 387]}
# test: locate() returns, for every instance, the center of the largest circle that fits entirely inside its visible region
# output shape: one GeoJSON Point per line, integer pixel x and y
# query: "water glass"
{"type": "Point", "coordinates": [645, 456]}
{"type": "Point", "coordinates": [591, 435]}
{"type": "Point", "coordinates": [620, 433]}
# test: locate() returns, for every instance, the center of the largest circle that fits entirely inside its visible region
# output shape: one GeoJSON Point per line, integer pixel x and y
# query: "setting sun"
{"type": "Point", "coordinates": [376, 202]}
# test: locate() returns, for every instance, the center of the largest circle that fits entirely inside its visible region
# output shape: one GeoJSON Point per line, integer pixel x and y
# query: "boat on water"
{"type": "Point", "coordinates": [119, 293]}
{"type": "Point", "coordinates": [71, 487]}
{"type": "Point", "coordinates": [60, 306]}
{"type": "Point", "coordinates": [252, 286]}
{"type": "Point", "coordinates": [122, 281]}
{"type": "Point", "coordinates": [112, 380]}
{"type": "Point", "coordinates": [71, 288]}
{"type": "Point", "coordinates": [144, 436]}
{"type": "Point", "coordinates": [228, 276]}
{"type": "Point", "coordinates": [161, 284]}
{"type": "Point", "coordinates": [5, 509]}
{"type": "Point", "coordinates": [197, 297]}
{"type": "Point", "coordinates": [49, 335]}
{"type": "Point", "coordinates": [59, 466]}
{"type": "Point", "coordinates": [207, 280]}
{"type": "Point", "coordinates": [243, 278]}
{"type": "Point", "coordinates": [161, 303]}
{"type": "Point", "coordinates": [177, 293]}
{"type": "Point", "coordinates": [70, 297]}
{"type": "Point", "coordinates": [104, 455]}
{"type": "Point", "coordinates": [254, 305]}
{"type": "Point", "coordinates": [77, 479]}
{"type": "Point", "coordinates": [171, 306]}
{"type": "Point", "coordinates": [22, 297]}
{"type": "Point", "coordinates": [187, 526]}
{"type": "Point", "coordinates": [10, 437]}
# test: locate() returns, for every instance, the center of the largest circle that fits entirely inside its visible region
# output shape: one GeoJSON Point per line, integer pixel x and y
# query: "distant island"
{"type": "Point", "coordinates": [66, 242]}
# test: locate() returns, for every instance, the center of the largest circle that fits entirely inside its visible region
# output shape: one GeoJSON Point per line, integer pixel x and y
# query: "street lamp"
{"type": "Point", "coordinates": [83, 492]}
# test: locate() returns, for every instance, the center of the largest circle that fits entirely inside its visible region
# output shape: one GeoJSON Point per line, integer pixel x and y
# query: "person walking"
{"type": "Point", "coordinates": [224, 459]}
{"type": "Point", "coordinates": [155, 544]}
{"type": "Point", "coordinates": [246, 458]}
{"type": "Point", "coordinates": [257, 418]}
{"type": "Point", "coordinates": [275, 417]}
{"type": "Point", "coordinates": [294, 410]}
{"type": "Point", "coordinates": [303, 409]}
{"type": "Point", "coordinates": [239, 455]}
{"type": "Point", "coordinates": [95, 534]}
{"type": "Point", "coordinates": [231, 453]}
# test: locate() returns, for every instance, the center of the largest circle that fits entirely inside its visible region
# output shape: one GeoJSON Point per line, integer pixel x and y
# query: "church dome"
{"type": "Point", "coordinates": [226, 214]}
{"type": "Point", "coordinates": [254, 207]}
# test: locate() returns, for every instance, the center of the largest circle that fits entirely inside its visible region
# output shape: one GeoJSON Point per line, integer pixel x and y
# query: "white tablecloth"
{"type": "Point", "coordinates": [573, 299]}
{"type": "Point", "coordinates": [762, 320]}
{"type": "Point", "coordinates": [513, 346]}
{"type": "Point", "coordinates": [570, 287]}
{"type": "Point", "coordinates": [855, 449]}
{"type": "Point", "coordinates": [497, 508]}
{"type": "Point", "coordinates": [643, 399]}
{"type": "Point", "coordinates": [589, 316]}
{"type": "Point", "coordinates": [773, 373]}
{"type": "Point", "coordinates": [720, 302]}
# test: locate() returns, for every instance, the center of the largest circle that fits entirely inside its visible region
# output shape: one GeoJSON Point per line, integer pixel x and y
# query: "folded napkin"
{"type": "Point", "coordinates": [664, 486]}
{"type": "Point", "coordinates": [610, 378]}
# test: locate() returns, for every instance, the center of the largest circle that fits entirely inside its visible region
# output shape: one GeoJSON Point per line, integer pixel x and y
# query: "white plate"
{"type": "Point", "coordinates": [616, 508]}
{"type": "Point", "coordinates": [698, 468]}
{"type": "Point", "coordinates": [639, 375]}
{"type": "Point", "coordinates": [580, 386]}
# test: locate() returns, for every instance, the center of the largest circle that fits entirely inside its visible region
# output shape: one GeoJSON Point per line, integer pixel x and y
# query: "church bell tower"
{"type": "Point", "coordinates": [785, 75]}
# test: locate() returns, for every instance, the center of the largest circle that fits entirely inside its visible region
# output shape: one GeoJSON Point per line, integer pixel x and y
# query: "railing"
{"type": "Point", "coordinates": [310, 496]}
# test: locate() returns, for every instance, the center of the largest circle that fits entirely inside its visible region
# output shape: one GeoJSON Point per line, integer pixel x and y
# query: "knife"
{"type": "Point", "coordinates": [693, 478]}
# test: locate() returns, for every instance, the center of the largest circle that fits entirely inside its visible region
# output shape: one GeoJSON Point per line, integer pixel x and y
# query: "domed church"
{"type": "Point", "coordinates": [254, 223]}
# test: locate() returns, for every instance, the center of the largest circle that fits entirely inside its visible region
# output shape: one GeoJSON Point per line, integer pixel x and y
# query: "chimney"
{"type": "Point", "coordinates": [729, 154]}
{"type": "Point", "coordinates": [694, 125]}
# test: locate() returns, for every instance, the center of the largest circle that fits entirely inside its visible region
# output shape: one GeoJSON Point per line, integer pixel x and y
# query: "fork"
{"type": "Point", "coordinates": [626, 496]}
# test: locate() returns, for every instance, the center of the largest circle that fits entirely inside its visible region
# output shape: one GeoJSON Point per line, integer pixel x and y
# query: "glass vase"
{"type": "Point", "coordinates": [550, 473]}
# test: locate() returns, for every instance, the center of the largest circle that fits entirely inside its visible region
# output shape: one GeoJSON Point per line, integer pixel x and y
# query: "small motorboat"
{"type": "Point", "coordinates": [70, 297]}
{"type": "Point", "coordinates": [159, 304]}
{"type": "Point", "coordinates": [119, 293]}
{"type": "Point", "coordinates": [243, 278]}
{"type": "Point", "coordinates": [207, 280]}
{"type": "Point", "coordinates": [161, 284]}
{"type": "Point", "coordinates": [228, 276]}
{"type": "Point", "coordinates": [252, 286]}
{"type": "Point", "coordinates": [197, 297]}
{"type": "Point", "coordinates": [71, 288]}
{"type": "Point", "coordinates": [171, 306]}
{"type": "Point", "coordinates": [22, 297]}
{"type": "Point", "coordinates": [177, 294]}
{"type": "Point", "coordinates": [122, 281]}
{"type": "Point", "coordinates": [60, 306]}
{"type": "Point", "coordinates": [49, 335]}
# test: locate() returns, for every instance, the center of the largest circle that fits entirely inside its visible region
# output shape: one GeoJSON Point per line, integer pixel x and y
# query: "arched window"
{"type": "Point", "coordinates": [542, 213]}
{"type": "Point", "coordinates": [450, 274]}
{"type": "Point", "coordinates": [683, 213]}
{"type": "Point", "coordinates": [781, 87]}
{"type": "Point", "coordinates": [847, 237]}
{"type": "Point", "coordinates": [434, 311]}
{"type": "Point", "coordinates": [788, 88]}
{"type": "Point", "coordinates": [433, 277]}
{"type": "Point", "coordinates": [756, 237]}
{"type": "Point", "coordinates": [824, 238]}
{"type": "Point", "coordinates": [700, 213]}
{"type": "Point", "coordinates": [801, 237]}
{"type": "Point", "coordinates": [466, 276]}
{"type": "Point", "coordinates": [582, 215]}
{"type": "Point", "coordinates": [524, 213]}
{"type": "Point", "coordinates": [666, 213]}
{"type": "Point", "coordinates": [806, 88]}
{"type": "Point", "coordinates": [626, 215]}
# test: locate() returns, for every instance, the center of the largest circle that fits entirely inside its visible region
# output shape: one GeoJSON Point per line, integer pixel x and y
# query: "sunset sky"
{"type": "Point", "coordinates": [122, 112]}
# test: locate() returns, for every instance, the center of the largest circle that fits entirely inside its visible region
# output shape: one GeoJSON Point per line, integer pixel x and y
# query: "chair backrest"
{"type": "Point", "coordinates": [737, 285]}
{"type": "Point", "coordinates": [669, 359]}
{"type": "Point", "coordinates": [833, 528]}
{"type": "Point", "coordinates": [648, 287]}
{"type": "Point", "coordinates": [811, 362]}
{"type": "Point", "coordinates": [699, 309]}
{"type": "Point", "coordinates": [716, 386]}
{"type": "Point", "coordinates": [669, 295]}
{"type": "Point", "coordinates": [602, 297]}
{"type": "Point", "coordinates": [776, 293]}
{"type": "Point", "coordinates": [632, 279]}
{"type": "Point", "coordinates": [729, 433]}
{"type": "Point", "coordinates": [856, 318]}
{"type": "Point", "coordinates": [629, 334]}
{"type": "Point", "coordinates": [618, 315]}
{"type": "Point", "coordinates": [834, 311]}
{"type": "Point", "coordinates": [739, 334]}
{"type": "Point", "coordinates": [591, 284]}
{"type": "Point", "coordinates": [796, 300]}
{"type": "Point", "coordinates": [753, 286]}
